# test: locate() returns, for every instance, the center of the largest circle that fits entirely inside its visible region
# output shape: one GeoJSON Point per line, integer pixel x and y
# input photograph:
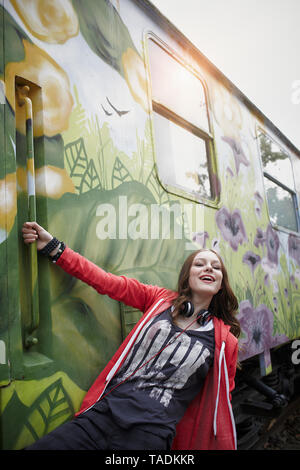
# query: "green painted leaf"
{"type": "Point", "coordinates": [90, 179]}
{"type": "Point", "coordinates": [77, 160]}
{"type": "Point", "coordinates": [120, 174]}
{"type": "Point", "coordinates": [51, 409]}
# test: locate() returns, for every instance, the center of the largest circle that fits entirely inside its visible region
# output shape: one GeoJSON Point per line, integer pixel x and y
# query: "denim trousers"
{"type": "Point", "coordinates": [96, 430]}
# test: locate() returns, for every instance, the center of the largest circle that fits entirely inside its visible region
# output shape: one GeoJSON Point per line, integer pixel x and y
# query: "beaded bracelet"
{"type": "Point", "coordinates": [61, 249]}
{"type": "Point", "coordinates": [50, 247]}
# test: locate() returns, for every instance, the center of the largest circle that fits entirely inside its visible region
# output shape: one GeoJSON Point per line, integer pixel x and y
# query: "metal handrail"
{"type": "Point", "coordinates": [23, 99]}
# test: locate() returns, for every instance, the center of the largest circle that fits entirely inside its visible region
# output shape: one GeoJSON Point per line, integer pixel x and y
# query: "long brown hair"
{"type": "Point", "coordinates": [223, 305]}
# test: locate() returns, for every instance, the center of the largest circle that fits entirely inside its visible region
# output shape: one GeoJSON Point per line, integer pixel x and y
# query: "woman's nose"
{"type": "Point", "coordinates": [208, 267]}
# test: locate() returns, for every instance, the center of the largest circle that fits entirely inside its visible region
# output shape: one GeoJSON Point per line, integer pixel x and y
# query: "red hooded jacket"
{"type": "Point", "coordinates": [208, 422]}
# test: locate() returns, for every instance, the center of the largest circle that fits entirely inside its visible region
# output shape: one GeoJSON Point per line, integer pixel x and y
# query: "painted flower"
{"type": "Point", "coordinates": [252, 259]}
{"type": "Point", "coordinates": [200, 238]}
{"type": "Point", "coordinates": [257, 324]}
{"type": "Point", "coordinates": [271, 271]}
{"type": "Point", "coordinates": [227, 111]}
{"type": "Point", "coordinates": [232, 227]}
{"type": "Point", "coordinates": [51, 115]}
{"type": "Point", "coordinates": [294, 248]}
{"type": "Point", "coordinates": [258, 202]}
{"type": "Point", "coordinates": [215, 244]}
{"type": "Point", "coordinates": [272, 242]}
{"type": "Point", "coordinates": [238, 152]}
{"type": "Point", "coordinates": [8, 205]}
{"type": "Point", "coordinates": [134, 73]}
{"type": "Point", "coordinates": [259, 238]}
{"type": "Point", "coordinates": [229, 172]}
{"type": "Point", "coordinates": [54, 22]}
{"type": "Point", "coordinates": [53, 182]}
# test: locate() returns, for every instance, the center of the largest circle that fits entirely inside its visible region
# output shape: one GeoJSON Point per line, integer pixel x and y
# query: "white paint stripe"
{"type": "Point", "coordinates": [30, 183]}
{"type": "Point", "coordinates": [2, 352]}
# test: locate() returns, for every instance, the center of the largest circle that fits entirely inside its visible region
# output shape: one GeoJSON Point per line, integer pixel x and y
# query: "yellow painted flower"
{"type": "Point", "coordinates": [134, 73]}
{"type": "Point", "coordinates": [21, 179]}
{"type": "Point", "coordinates": [51, 181]}
{"type": "Point", "coordinates": [53, 21]}
{"type": "Point", "coordinates": [227, 111]}
{"type": "Point", "coordinates": [53, 108]}
{"type": "Point", "coordinates": [8, 204]}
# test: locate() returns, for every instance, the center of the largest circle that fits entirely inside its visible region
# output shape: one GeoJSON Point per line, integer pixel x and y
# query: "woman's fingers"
{"type": "Point", "coordinates": [29, 232]}
{"type": "Point", "coordinates": [32, 226]}
{"type": "Point", "coordinates": [34, 232]}
{"type": "Point", "coordinates": [29, 237]}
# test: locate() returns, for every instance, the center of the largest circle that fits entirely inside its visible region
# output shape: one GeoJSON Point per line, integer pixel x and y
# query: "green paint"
{"type": "Point", "coordinates": [98, 159]}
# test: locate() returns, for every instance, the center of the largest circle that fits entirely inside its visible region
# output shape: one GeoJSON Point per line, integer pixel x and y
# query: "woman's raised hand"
{"type": "Point", "coordinates": [33, 232]}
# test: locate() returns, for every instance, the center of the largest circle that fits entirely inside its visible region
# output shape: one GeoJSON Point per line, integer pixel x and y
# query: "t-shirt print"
{"type": "Point", "coordinates": [174, 365]}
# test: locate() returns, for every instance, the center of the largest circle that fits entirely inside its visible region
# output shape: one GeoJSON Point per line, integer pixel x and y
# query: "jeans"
{"type": "Point", "coordinates": [96, 430]}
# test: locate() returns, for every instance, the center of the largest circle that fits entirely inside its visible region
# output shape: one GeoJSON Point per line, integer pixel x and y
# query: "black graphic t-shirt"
{"type": "Point", "coordinates": [159, 392]}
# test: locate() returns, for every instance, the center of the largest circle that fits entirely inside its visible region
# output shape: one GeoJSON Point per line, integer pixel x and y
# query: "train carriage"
{"type": "Point", "coordinates": [125, 141]}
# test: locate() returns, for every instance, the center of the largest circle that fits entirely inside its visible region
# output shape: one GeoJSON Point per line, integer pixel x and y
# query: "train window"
{"type": "Point", "coordinates": [281, 205]}
{"type": "Point", "coordinates": [279, 184]}
{"type": "Point", "coordinates": [275, 161]}
{"type": "Point", "coordinates": [181, 127]}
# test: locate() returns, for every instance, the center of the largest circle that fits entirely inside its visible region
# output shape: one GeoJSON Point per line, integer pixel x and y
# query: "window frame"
{"type": "Point", "coordinates": [274, 180]}
{"type": "Point", "coordinates": [206, 137]}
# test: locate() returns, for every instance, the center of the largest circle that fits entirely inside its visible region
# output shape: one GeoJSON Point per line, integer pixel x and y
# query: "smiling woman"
{"type": "Point", "coordinates": [204, 281]}
{"type": "Point", "coordinates": [169, 363]}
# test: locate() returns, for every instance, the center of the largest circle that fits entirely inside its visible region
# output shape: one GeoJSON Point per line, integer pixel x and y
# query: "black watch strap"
{"type": "Point", "coordinates": [59, 252]}
{"type": "Point", "coordinates": [50, 247]}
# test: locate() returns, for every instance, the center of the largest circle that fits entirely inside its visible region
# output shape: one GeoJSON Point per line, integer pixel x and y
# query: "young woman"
{"type": "Point", "coordinates": [169, 384]}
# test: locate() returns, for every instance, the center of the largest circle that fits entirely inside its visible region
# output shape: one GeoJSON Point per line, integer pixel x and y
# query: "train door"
{"type": "Point", "coordinates": [4, 362]}
{"type": "Point", "coordinates": [54, 337]}
{"type": "Point", "coordinates": [26, 314]}
{"type": "Point", "coordinates": [33, 397]}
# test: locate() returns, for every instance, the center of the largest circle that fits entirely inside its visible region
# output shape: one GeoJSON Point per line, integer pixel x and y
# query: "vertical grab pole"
{"type": "Point", "coordinates": [24, 99]}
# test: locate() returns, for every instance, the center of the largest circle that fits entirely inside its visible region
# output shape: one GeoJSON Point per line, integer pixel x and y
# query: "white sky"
{"type": "Point", "coordinates": [255, 43]}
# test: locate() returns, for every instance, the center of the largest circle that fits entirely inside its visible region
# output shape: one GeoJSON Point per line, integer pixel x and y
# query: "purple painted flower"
{"type": "Point", "coordinates": [257, 324]}
{"type": "Point", "coordinates": [200, 238]}
{"type": "Point", "coordinates": [232, 227]}
{"type": "Point", "coordinates": [272, 242]}
{"type": "Point", "coordinates": [259, 238]}
{"type": "Point", "coordinates": [252, 259]}
{"type": "Point", "coordinates": [258, 203]}
{"type": "Point", "coordinates": [229, 172]}
{"type": "Point", "coordinates": [293, 281]}
{"type": "Point", "coordinates": [215, 244]}
{"type": "Point", "coordinates": [238, 152]}
{"type": "Point", "coordinates": [294, 248]}
{"type": "Point", "coordinates": [269, 268]}
{"type": "Point", "coordinates": [267, 280]}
